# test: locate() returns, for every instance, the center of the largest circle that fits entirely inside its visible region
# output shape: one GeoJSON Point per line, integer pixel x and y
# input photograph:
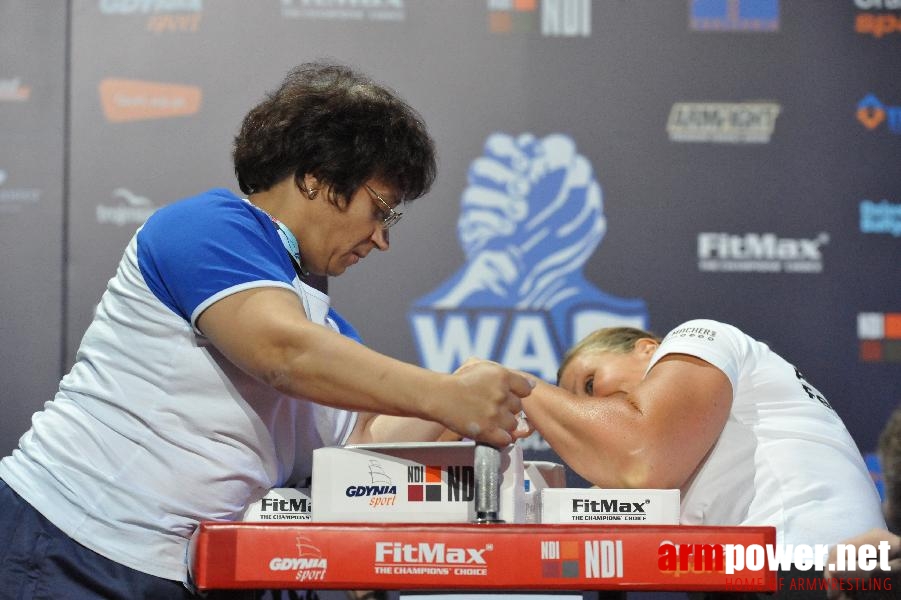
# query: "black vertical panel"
{"type": "Point", "coordinates": [32, 86]}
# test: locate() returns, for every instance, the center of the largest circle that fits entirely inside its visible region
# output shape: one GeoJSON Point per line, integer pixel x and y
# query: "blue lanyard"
{"type": "Point", "coordinates": [291, 245]}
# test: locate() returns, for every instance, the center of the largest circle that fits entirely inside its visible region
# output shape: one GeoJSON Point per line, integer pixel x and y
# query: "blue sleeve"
{"type": "Point", "coordinates": [344, 326]}
{"type": "Point", "coordinates": [204, 248]}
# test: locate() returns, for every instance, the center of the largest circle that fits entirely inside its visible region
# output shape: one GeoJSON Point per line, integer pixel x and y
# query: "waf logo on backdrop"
{"type": "Point", "coordinates": [565, 559]}
{"type": "Point", "coordinates": [427, 483]}
{"type": "Point", "coordinates": [126, 100]}
{"type": "Point", "coordinates": [556, 18]}
{"type": "Point", "coordinates": [12, 90]}
{"type": "Point", "coordinates": [880, 337]}
{"type": "Point", "coordinates": [869, 21]}
{"type": "Point", "coordinates": [734, 15]}
{"type": "Point", "coordinates": [530, 218]}
{"type": "Point", "coordinates": [163, 16]}
{"type": "Point", "coordinates": [872, 113]}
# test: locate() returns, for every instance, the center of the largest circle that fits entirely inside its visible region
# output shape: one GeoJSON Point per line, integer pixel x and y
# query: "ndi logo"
{"type": "Point", "coordinates": [559, 18]}
{"type": "Point", "coordinates": [564, 559]}
{"type": "Point", "coordinates": [424, 483]}
{"type": "Point", "coordinates": [530, 218]}
{"type": "Point", "coordinates": [879, 335]}
{"type": "Point", "coordinates": [12, 90]}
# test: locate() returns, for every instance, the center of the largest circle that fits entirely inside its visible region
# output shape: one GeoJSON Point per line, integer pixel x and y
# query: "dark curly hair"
{"type": "Point", "coordinates": [331, 122]}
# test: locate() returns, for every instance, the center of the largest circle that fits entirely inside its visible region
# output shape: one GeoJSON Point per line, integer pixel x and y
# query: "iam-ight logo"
{"type": "Point", "coordinates": [134, 100]}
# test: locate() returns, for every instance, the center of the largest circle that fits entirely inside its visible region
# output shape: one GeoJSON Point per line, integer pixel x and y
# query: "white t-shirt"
{"type": "Point", "coordinates": [784, 457]}
{"type": "Point", "coordinates": [153, 430]}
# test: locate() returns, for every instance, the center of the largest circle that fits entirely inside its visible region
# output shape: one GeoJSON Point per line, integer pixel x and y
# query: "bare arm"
{"type": "Point", "coordinates": [655, 437]}
{"type": "Point", "coordinates": [375, 428]}
{"type": "Point", "coordinates": [265, 332]}
{"type": "Point", "coordinates": [886, 544]}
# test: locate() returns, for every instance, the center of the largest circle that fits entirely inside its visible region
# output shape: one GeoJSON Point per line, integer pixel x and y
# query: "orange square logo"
{"type": "Point", "coordinates": [500, 22]}
{"type": "Point", "coordinates": [893, 326]}
{"type": "Point", "coordinates": [569, 550]}
{"type": "Point", "coordinates": [871, 351]}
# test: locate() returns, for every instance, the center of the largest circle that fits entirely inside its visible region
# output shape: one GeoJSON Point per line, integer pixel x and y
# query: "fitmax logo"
{"type": "Point", "coordinates": [294, 505]}
{"type": "Point", "coordinates": [425, 553]}
{"type": "Point", "coordinates": [608, 506]}
{"type": "Point", "coordinates": [760, 252]}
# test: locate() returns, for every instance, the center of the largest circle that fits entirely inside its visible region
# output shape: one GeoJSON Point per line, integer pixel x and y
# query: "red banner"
{"type": "Point", "coordinates": [474, 557]}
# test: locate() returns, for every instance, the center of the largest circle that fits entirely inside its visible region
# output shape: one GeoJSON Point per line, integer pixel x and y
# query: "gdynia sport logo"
{"type": "Point", "coordinates": [530, 217]}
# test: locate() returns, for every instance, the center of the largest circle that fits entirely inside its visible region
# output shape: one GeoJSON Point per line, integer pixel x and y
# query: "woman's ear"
{"type": "Point", "coordinates": [310, 185]}
{"type": "Point", "coordinates": [646, 346]}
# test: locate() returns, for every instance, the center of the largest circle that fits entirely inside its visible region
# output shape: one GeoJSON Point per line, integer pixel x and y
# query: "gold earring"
{"type": "Point", "coordinates": [310, 192]}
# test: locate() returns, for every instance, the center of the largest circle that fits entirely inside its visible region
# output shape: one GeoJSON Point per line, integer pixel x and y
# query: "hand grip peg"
{"type": "Point", "coordinates": [487, 467]}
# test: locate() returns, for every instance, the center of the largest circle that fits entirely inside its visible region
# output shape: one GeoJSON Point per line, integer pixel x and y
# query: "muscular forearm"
{"type": "Point", "coordinates": [376, 429]}
{"type": "Point", "coordinates": [314, 362]}
{"type": "Point", "coordinates": [596, 439]}
{"type": "Point", "coordinates": [654, 435]}
{"type": "Point", "coordinates": [266, 333]}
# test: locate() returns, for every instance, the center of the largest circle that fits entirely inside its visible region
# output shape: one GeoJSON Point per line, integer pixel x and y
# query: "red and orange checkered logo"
{"type": "Point", "coordinates": [429, 489]}
{"type": "Point", "coordinates": [559, 559]}
{"type": "Point", "coordinates": [505, 16]}
{"type": "Point", "coordinates": [880, 337]}
{"type": "Point", "coordinates": [440, 483]}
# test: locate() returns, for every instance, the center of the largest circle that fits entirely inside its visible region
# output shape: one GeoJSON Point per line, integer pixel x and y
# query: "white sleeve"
{"type": "Point", "coordinates": [716, 343]}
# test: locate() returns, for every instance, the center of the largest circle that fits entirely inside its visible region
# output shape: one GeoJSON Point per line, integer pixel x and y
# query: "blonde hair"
{"type": "Point", "coordinates": [619, 340]}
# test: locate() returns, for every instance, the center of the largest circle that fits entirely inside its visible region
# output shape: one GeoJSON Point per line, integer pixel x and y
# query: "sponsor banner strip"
{"type": "Point", "coordinates": [469, 557]}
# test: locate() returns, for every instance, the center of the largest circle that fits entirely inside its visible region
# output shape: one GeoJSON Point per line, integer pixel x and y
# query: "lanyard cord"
{"type": "Point", "coordinates": [291, 245]}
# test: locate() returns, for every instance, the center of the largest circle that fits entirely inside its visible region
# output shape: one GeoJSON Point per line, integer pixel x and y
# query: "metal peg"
{"type": "Point", "coordinates": [487, 467]}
